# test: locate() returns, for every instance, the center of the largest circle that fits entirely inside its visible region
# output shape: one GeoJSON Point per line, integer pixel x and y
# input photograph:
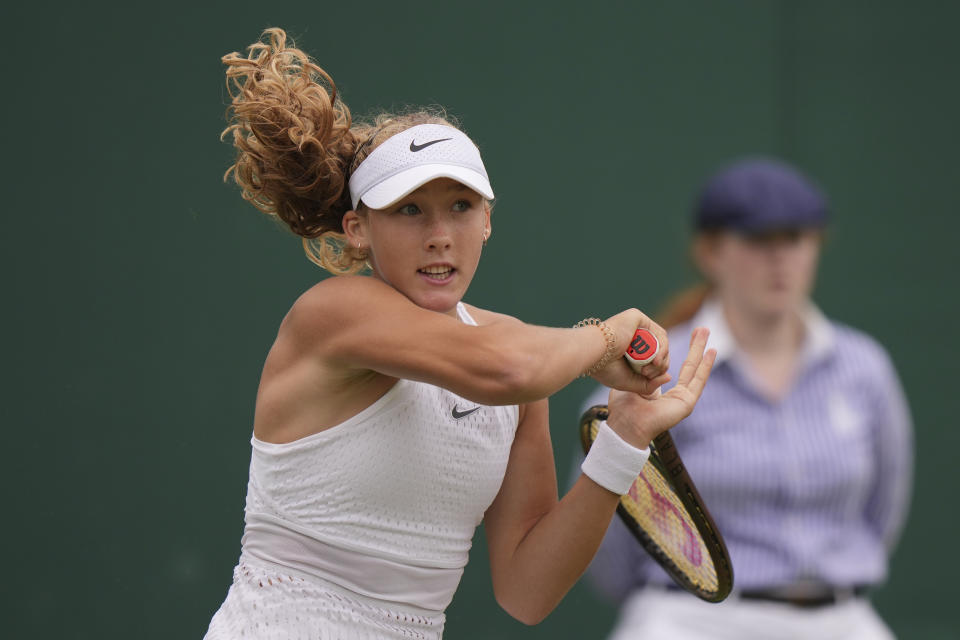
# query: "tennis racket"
{"type": "Point", "coordinates": [663, 508]}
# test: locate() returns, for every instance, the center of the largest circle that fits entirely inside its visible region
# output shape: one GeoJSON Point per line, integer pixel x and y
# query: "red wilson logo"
{"type": "Point", "coordinates": [641, 344]}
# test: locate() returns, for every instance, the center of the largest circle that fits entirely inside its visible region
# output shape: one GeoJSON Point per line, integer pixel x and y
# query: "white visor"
{"type": "Point", "coordinates": [414, 157]}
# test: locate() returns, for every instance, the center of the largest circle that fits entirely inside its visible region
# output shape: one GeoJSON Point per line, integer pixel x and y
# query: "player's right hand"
{"type": "Point", "coordinates": [618, 374]}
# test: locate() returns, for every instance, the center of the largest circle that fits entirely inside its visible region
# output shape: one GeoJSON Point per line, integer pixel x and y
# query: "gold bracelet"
{"type": "Point", "coordinates": [608, 335]}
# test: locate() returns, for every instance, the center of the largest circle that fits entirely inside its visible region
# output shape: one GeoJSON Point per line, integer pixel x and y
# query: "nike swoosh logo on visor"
{"type": "Point", "coordinates": [459, 414]}
{"type": "Point", "coordinates": [420, 147]}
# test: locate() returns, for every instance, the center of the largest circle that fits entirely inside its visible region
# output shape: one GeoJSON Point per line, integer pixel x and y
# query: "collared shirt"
{"type": "Point", "coordinates": [813, 485]}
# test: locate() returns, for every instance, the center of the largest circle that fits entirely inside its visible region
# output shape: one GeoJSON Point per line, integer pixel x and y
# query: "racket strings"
{"type": "Point", "coordinates": [655, 506]}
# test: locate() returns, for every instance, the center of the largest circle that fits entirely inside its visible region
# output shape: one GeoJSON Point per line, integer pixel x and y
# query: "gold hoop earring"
{"type": "Point", "coordinates": [485, 236]}
{"type": "Point", "coordinates": [361, 254]}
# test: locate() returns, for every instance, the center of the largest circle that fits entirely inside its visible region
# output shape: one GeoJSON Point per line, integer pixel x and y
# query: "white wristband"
{"type": "Point", "coordinates": [613, 463]}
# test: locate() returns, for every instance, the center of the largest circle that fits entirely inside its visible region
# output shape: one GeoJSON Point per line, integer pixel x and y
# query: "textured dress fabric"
{"type": "Point", "coordinates": [362, 530]}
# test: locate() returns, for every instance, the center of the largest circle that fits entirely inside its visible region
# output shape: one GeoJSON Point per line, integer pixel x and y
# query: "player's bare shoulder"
{"type": "Point", "coordinates": [334, 302]}
{"type": "Point", "coordinates": [344, 291]}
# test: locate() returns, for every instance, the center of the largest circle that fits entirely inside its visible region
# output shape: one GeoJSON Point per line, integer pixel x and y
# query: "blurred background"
{"type": "Point", "coordinates": [143, 293]}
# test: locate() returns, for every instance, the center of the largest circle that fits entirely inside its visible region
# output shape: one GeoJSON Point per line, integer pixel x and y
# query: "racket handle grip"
{"type": "Point", "coordinates": [642, 350]}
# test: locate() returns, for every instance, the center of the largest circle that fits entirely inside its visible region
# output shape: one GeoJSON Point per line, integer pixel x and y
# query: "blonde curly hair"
{"type": "Point", "coordinates": [297, 144]}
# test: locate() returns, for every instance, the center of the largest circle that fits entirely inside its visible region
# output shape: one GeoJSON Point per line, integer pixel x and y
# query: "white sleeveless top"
{"type": "Point", "coordinates": [384, 504]}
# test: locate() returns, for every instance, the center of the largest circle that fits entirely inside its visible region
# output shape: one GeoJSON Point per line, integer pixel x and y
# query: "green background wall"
{"type": "Point", "coordinates": [142, 294]}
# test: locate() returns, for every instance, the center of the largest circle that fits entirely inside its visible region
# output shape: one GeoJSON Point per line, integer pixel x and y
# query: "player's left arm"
{"type": "Point", "coordinates": [539, 545]}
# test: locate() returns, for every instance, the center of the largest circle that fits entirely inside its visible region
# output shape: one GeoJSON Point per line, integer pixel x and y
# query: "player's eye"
{"type": "Point", "coordinates": [461, 205]}
{"type": "Point", "coordinates": [409, 209]}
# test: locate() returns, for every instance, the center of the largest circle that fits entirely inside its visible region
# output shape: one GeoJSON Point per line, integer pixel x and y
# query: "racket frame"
{"type": "Point", "coordinates": [665, 457]}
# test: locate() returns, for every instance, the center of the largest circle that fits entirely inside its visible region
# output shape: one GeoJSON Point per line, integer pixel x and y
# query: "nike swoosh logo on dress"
{"type": "Point", "coordinates": [459, 414]}
{"type": "Point", "coordinates": [420, 147]}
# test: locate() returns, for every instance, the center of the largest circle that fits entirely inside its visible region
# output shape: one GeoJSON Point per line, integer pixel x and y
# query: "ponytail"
{"type": "Point", "coordinates": [297, 145]}
{"type": "Point", "coordinates": [294, 145]}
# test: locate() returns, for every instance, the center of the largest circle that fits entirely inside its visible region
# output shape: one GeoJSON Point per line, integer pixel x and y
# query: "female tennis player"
{"type": "Point", "coordinates": [391, 417]}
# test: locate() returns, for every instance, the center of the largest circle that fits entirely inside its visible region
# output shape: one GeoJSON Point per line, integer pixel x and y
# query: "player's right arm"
{"type": "Point", "coordinates": [359, 324]}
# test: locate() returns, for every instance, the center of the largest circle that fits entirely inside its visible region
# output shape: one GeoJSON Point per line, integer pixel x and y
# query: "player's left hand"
{"type": "Point", "coordinates": [639, 418]}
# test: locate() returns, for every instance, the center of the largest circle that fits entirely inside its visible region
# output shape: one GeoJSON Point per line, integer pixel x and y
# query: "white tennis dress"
{"type": "Point", "coordinates": [363, 530]}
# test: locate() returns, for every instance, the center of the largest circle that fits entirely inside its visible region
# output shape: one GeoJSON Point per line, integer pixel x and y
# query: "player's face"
{"type": "Point", "coordinates": [427, 245]}
{"type": "Point", "coordinates": [766, 274]}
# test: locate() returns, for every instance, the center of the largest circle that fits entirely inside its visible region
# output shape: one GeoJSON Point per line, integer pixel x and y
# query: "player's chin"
{"type": "Point", "coordinates": [442, 301]}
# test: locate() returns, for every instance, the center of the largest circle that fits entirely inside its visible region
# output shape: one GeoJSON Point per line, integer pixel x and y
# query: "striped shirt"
{"type": "Point", "coordinates": [814, 485]}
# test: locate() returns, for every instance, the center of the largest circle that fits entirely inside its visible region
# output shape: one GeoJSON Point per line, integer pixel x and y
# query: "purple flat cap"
{"type": "Point", "coordinates": [756, 195]}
